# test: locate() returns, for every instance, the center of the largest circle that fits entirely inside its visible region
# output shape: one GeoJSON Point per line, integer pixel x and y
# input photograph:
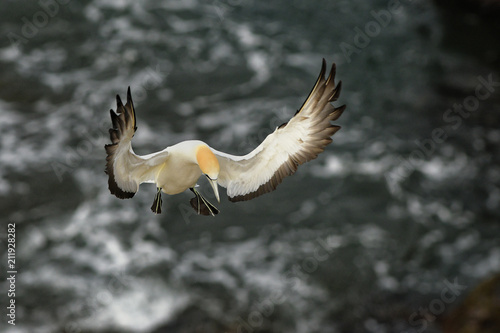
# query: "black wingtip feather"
{"type": "Point", "coordinates": [114, 119]}
{"type": "Point", "coordinates": [321, 77]}
{"type": "Point", "coordinates": [336, 92]}
{"type": "Point", "coordinates": [331, 76]}
{"type": "Point", "coordinates": [130, 102]}
{"type": "Point", "coordinates": [323, 66]}
{"type": "Point", "coordinates": [337, 112]}
{"type": "Point", "coordinates": [119, 103]}
{"type": "Point", "coordinates": [323, 69]}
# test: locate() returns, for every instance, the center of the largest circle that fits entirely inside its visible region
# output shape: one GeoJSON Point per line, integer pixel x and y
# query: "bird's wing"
{"type": "Point", "coordinates": [125, 169]}
{"type": "Point", "coordinates": [300, 140]}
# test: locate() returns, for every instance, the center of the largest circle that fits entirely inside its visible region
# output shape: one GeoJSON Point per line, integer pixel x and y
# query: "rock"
{"type": "Point", "coordinates": [479, 312]}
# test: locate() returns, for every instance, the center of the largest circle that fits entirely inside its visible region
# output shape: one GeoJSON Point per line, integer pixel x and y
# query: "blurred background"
{"type": "Point", "coordinates": [394, 228]}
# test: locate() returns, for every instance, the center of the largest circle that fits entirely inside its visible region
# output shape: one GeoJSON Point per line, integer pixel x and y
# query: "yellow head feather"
{"type": "Point", "coordinates": [207, 161]}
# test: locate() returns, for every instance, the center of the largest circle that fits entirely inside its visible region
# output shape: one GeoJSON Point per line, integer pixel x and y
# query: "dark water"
{"type": "Point", "coordinates": [363, 239]}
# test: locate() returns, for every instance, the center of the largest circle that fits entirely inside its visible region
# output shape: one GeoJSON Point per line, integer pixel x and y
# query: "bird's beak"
{"type": "Point", "coordinates": [215, 187]}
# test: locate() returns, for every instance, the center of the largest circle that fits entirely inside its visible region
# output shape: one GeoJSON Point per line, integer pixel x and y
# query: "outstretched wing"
{"type": "Point", "coordinates": [125, 169]}
{"type": "Point", "coordinates": [300, 140]}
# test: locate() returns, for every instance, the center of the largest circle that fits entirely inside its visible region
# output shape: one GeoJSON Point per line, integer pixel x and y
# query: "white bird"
{"type": "Point", "coordinates": [178, 167]}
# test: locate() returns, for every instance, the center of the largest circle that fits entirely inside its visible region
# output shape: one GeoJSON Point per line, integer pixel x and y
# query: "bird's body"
{"type": "Point", "coordinates": [178, 167]}
{"type": "Point", "coordinates": [179, 171]}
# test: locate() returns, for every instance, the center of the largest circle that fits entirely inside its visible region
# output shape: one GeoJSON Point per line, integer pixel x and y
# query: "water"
{"type": "Point", "coordinates": [357, 241]}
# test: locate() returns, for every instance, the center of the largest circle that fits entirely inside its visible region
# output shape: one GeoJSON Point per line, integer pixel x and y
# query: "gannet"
{"type": "Point", "coordinates": [179, 167]}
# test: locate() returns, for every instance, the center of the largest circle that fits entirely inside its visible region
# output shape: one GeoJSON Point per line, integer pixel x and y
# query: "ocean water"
{"type": "Point", "coordinates": [401, 207]}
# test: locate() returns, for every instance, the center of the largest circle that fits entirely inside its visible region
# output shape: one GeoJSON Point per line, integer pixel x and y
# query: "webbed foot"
{"type": "Point", "coordinates": [201, 205]}
{"type": "Point", "coordinates": [156, 207]}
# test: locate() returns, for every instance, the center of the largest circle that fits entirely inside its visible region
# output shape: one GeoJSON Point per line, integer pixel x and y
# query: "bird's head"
{"type": "Point", "coordinates": [209, 165]}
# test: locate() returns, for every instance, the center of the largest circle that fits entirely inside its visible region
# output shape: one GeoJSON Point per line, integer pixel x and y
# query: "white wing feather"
{"type": "Point", "coordinates": [125, 169]}
{"type": "Point", "coordinates": [300, 140]}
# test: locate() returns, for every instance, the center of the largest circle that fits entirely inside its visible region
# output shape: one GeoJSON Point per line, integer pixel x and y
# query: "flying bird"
{"type": "Point", "coordinates": [179, 167]}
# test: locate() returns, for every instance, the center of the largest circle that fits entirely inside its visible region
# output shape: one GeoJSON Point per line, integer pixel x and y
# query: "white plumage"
{"type": "Point", "coordinates": [178, 167]}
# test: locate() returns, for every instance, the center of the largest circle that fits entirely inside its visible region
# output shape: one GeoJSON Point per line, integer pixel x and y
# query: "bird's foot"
{"type": "Point", "coordinates": [156, 207]}
{"type": "Point", "coordinates": [201, 205]}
